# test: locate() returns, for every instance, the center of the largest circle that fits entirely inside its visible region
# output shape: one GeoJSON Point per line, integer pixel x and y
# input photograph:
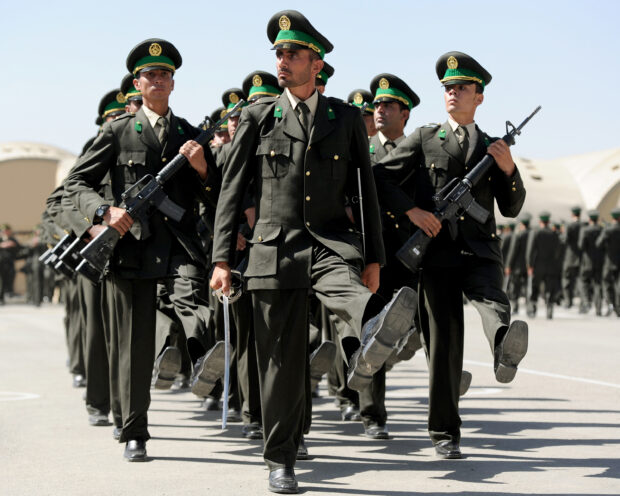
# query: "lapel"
{"type": "Point", "coordinates": [175, 140]}
{"type": "Point", "coordinates": [480, 149]}
{"type": "Point", "coordinates": [147, 136]}
{"type": "Point", "coordinates": [290, 122]}
{"type": "Point", "coordinates": [450, 143]}
{"type": "Point", "coordinates": [322, 125]}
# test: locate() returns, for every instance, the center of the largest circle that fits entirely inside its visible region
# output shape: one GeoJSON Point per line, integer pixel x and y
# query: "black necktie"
{"type": "Point", "coordinates": [389, 146]}
{"type": "Point", "coordinates": [304, 117]}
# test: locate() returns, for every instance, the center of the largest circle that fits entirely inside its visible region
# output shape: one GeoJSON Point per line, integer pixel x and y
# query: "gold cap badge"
{"type": "Point", "coordinates": [358, 98]}
{"type": "Point", "coordinates": [384, 84]}
{"type": "Point", "coordinates": [257, 80]}
{"type": "Point", "coordinates": [233, 98]}
{"type": "Point", "coordinates": [284, 23]}
{"type": "Point", "coordinates": [223, 113]}
{"type": "Point", "coordinates": [120, 98]}
{"type": "Point", "coordinates": [155, 49]}
{"type": "Point", "coordinates": [452, 62]}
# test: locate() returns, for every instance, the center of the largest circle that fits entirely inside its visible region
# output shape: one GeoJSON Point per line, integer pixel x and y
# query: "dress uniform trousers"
{"type": "Point", "coordinates": [74, 325]}
{"type": "Point", "coordinates": [441, 316]}
{"type": "Point", "coordinates": [281, 327]}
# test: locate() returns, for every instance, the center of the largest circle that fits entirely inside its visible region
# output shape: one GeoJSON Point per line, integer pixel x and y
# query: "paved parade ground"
{"type": "Point", "coordinates": [555, 430]}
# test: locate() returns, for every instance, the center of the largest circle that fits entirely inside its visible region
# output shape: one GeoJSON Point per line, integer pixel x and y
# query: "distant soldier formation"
{"type": "Point", "coordinates": [267, 238]}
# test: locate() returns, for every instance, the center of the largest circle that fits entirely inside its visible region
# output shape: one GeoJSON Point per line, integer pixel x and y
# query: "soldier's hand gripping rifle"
{"type": "Point", "coordinates": [454, 200]}
{"type": "Point", "coordinates": [140, 201]}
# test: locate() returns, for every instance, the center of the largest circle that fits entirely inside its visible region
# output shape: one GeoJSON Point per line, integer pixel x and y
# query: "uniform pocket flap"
{"type": "Point", "coordinates": [263, 233]}
{"type": "Point", "coordinates": [273, 147]}
{"type": "Point", "coordinates": [130, 158]}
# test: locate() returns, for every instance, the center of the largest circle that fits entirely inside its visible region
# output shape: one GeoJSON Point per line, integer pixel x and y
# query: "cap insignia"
{"type": "Point", "coordinates": [120, 98]}
{"type": "Point", "coordinates": [384, 84]}
{"type": "Point", "coordinates": [358, 98]}
{"type": "Point", "coordinates": [452, 62]}
{"type": "Point", "coordinates": [233, 98]}
{"type": "Point", "coordinates": [284, 23]}
{"type": "Point", "coordinates": [155, 49]}
{"type": "Point", "coordinates": [223, 113]}
{"type": "Point", "coordinates": [257, 80]}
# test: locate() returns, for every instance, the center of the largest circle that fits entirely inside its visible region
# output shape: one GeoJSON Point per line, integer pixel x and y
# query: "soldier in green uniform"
{"type": "Point", "coordinates": [363, 100]}
{"type": "Point", "coordinates": [590, 272]}
{"type": "Point", "coordinates": [127, 149]}
{"type": "Point", "coordinates": [543, 246]}
{"type": "Point", "coordinates": [609, 242]}
{"type": "Point", "coordinates": [9, 247]}
{"type": "Point", "coordinates": [302, 151]}
{"type": "Point", "coordinates": [133, 97]}
{"type": "Point", "coordinates": [515, 266]}
{"type": "Point", "coordinates": [572, 257]}
{"type": "Point", "coordinates": [323, 76]}
{"type": "Point", "coordinates": [471, 264]}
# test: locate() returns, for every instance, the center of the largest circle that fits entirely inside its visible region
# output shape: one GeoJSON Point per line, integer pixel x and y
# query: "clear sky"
{"type": "Point", "coordinates": [60, 58]}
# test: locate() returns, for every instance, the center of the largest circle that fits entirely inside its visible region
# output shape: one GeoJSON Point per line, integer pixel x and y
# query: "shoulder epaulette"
{"type": "Point", "coordinates": [431, 125]}
{"type": "Point", "coordinates": [265, 100]}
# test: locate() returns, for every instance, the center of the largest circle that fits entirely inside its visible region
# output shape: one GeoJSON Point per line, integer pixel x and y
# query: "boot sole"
{"type": "Point", "coordinates": [169, 367]}
{"type": "Point", "coordinates": [212, 368]}
{"type": "Point", "coordinates": [514, 345]}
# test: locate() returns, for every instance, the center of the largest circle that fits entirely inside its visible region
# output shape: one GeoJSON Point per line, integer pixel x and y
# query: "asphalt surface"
{"type": "Point", "coordinates": [554, 431]}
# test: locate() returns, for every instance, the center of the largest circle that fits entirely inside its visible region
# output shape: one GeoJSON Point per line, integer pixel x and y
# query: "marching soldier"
{"type": "Point", "coordinates": [127, 149]}
{"type": "Point", "coordinates": [323, 76]}
{"type": "Point", "coordinates": [302, 151]}
{"type": "Point", "coordinates": [515, 266]}
{"type": "Point", "coordinates": [133, 97]}
{"type": "Point", "coordinates": [609, 242]}
{"type": "Point", "coordinates": [362, 99]}
{"type": "Point", "coordinates": [572, 257]}
{"type": "Point", "coordinates": [541, 256]}
{"type": "Point", "coordinates": [471, 264]}
{"type": "Point", "coordinates": [590, 272]}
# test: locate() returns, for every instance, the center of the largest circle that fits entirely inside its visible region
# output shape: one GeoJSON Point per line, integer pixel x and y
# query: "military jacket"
{"type": "Point", "coordinates": [572, 255]}
{"type": "Point", "coordinates": [127, 149]}
{"type": "Point", "coordinates": [543, 249]}
{"type": "Point", "coordinates": [423, 164]}
{"type": "Point", "coordinates": [506, 241]}
{"type": "Point", "coordinates": [609, 242]}
{"type": "Point", "coordinates": [515, 260]}
{"type": "Point", "coordinates": [591, 254]}
{"type": "Point", "coordinates": [300, 187]}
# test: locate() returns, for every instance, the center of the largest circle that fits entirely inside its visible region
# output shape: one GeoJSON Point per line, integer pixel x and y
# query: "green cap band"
{"type": "Point", "coordinates": [231, 105]}
{"type": "Point", "coordinates": [459, 74]}
{"type": "Point", "coordinates": [132, 93]}
{"type": "Point", "coordinates": [265, 90]}
{"type": "Point", "coordinates": [299, 38]}
{"type": "Point", "coordinates": [152, 61]}
{"type": "Point", "coordinates": [323, 76]}
{"type": "Point", "coordinates": [112, 107]}
{"type": "Point", "coordinates": [394, 94]}
{"type": "Point", "coordinates": [369, 107]}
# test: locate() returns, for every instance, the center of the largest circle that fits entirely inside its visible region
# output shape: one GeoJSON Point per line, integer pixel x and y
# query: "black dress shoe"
{"type": "Point", "coordinates": [283, 481]}
{"type": "Point", "coordinates": [351, 414]}
{"type": "Point", "coordinates": [116, 433]}
{"type": "Point", "coordinates": [208, 369]}
{"type": "Point", "coordinates": [252, 431]}
{"type": "Point", "coordinates": [376, 432]}
{"type": "Point", "coordinates": [135, 450]}
{"type": "Point", "coordinates": [510, 351]}
{"type": "Point", "coordinates": [180, 383]}
{"type": "Point", "coordinates": [166, 368]}
{"type": "Point", "coordinates": [448, 450]}
{"type": "Point", "coordinates": [302, 450]}
{"type": "Point", "coordinates": [211, 404]}
{"type": "Point", "coordinates": [234, 416]}
{"type": "Point", "coordinates": [79, 381]}
{"type": "Point", "coordinates": [97, 417]}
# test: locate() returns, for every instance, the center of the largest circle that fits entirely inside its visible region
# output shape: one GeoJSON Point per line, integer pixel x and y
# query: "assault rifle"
{"type": "Point", "coordinates": [51, 256]}
{"type": "Point", "coordinates": [140, 201]}
{"type": "Point", "coordinates": [454, 200]}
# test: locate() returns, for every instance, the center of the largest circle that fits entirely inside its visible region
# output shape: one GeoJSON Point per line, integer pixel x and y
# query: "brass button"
{"type": "Point", "coordinates": [389, 213]}
{"type": "Point", "coordinates": [462, 218]}
{"type": "Point", "coordinates": [432, 166]}
{"type": "Point", "coordinates": [309, 147]}
{"type": "Point", "coordinates": [336, 157]}
{"type": "Point", "coordinates": [489, 178]}
{"type": "Point", "coordinates": [307, 198]}
{"type": "Point", "coordinates": [308, 224]}
{"type": "Point", "coordinates": [492, 235]}
{"type": "Point", "coordinates": [466, 168]}
{"type": "Point", "coordinates": [350, 229]}
{"type": "Point", "coordinates": [272, 153]}
{"type": "Point", "coordinates": [163, 159]}
{"type": "Point", "coordinates": [393, 216]}
{"type": "Point", "coordinates": [260, 238]}
{"type": "Point", "coordinates": [130, 163]}
{"type": "Point", "coordinates": [514, 189]}
{"type": "Point", "coordinates": [307, 173]}
{"type": "Point", "coordinates": [208, 188]}
{"type": "Point", "coordinates": [86, 219]}
{"type": "Point", "coordinates": [396, 226]}
{"type": "Point", "coordinates": [165, 218]}
{"type": "Point", "coordinates": [514, 183]}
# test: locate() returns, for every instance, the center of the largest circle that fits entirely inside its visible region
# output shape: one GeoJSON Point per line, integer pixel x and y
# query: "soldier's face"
{"type": "Point", "coordinates": [296, 68]}
{"type": "Point", "coordinates": [369, 120]}
{"type": "Point", "coordinates": [462, 98]}
{"type": "Point", "coordinates": [233, 122]}
{"type": "Point", "coordinates": [390, 117]}
{"type": "Point", "coordinates": [221, 138]}
{"type": "Point", "coordinates": [155, 85]}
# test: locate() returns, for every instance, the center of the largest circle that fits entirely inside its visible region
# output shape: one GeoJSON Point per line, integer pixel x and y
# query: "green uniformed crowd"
{"type": "Point", "coordinates": [291, 219]}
